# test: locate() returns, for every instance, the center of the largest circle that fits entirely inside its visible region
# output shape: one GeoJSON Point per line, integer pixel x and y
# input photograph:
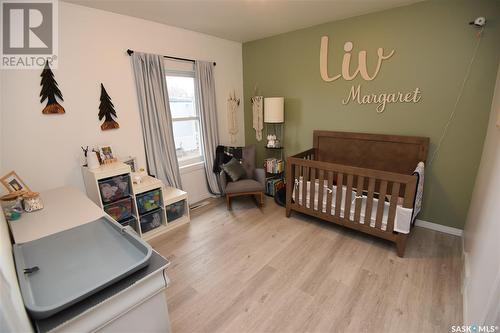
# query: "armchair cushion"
{"type": "Point", "coordinates": [248, 160]}
{"type": "Point", "coordinates": [260, 176]}
{"type": "Point", "coordinates": [234, 170]}
{"type": "Point", "coordinates": [244, 185]}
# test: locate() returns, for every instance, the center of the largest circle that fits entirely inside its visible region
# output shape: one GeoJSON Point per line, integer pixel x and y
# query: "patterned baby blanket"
{"type": "Point", "coordinates": [417, 204]}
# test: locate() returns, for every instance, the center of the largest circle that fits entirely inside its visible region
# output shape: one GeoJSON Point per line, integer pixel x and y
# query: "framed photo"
{"type": "Point", "coordinates": [13, 183]}
{"type": "Point", "coordinates": [106, 153]}
{"type": "Point", "coordinates": [132, 161]}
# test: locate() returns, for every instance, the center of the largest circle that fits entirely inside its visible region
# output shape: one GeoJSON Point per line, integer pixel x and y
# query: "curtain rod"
{"type": "Point", "coordinates": [130, 52]}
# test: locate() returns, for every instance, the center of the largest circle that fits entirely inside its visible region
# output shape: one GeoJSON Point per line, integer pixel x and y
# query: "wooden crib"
{"type": "Point", "coordinates": [370, 166]}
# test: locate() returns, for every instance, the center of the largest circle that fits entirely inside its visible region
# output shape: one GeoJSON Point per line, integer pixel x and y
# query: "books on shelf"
{"type": "Point", "coordinates": [273, 185]}
{"type": "Point", "coordinates": [274, 165]}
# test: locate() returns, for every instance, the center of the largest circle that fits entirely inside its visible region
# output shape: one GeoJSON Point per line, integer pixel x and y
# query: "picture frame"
{"type": "Point", "coordinates": [131, 161]}
{"type": "Point", "coordinates": [12, 182]}
{"type": "Point", "coordinates": [106, 154]}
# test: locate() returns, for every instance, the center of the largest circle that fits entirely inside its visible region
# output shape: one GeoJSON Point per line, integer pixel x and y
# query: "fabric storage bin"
{"type": "Point", "coordinates": [131, 221]}
{"type": "Point", "coordinates": [149, 201]}
{"type": "Point", "coordinates": [120, 210]}
{"type": "Point", "coordinates": [175, 210]}
{"type": "Point", "coordinates": [151, 220]}
{"type": "Point", "coordinates": [114, 188]}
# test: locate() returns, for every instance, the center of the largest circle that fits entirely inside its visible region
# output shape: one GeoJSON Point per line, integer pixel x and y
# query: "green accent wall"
{"type": "Point", "coordinates": [433, 45]}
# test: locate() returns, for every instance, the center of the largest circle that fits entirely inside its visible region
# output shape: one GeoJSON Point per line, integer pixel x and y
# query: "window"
{"type": "Point", "coordinates": [185, 117]}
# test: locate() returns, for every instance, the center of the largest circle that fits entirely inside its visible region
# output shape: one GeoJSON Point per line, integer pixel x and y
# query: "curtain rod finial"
{"type": "Point", "coordinates": [130, 52]}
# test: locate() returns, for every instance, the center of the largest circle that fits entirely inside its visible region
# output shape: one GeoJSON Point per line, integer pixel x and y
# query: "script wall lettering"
{"type": "Point", "coordinates": [355, 95]}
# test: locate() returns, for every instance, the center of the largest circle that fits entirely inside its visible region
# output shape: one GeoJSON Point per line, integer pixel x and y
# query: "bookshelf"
{"type": "Point", "coordinates": [274, 162]}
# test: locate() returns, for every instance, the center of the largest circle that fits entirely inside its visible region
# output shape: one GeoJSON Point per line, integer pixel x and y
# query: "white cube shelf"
{"type": "Point", "coordinates": [169, 212]}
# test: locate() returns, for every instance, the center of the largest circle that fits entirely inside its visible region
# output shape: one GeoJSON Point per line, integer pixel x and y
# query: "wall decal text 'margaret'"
{"type": "Point", "coordinates": [382, 99]}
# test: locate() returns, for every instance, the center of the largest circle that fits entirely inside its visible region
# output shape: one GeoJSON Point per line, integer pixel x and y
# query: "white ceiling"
{"type": "Point", "coordinates": [243, 20]}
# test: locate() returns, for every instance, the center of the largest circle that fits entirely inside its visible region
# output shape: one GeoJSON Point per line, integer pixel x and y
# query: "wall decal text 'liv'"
{"type": "Point", "coordinates": [346, 62]}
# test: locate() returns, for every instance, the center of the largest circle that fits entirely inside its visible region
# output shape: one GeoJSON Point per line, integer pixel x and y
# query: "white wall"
{"type": "Point", "coordinates": [45, 149]}
{"type": "Point", "coordinates": [482, 232]}
{"type": "Point", "coordinates": [193, 179]}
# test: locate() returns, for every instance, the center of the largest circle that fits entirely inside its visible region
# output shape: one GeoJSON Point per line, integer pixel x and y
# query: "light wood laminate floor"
{"type": "Point", "coordinates": [254, 270]}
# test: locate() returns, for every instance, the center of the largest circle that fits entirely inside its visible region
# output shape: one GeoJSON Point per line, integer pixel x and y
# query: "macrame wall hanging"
{"type": "Point", "coordinates": [232, 117]}
{"type": "Point", "coordinates": [258, 116]}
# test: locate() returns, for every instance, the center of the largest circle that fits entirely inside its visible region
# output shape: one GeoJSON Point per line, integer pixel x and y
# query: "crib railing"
{"type": "Point", "coordinates": [369, 183]}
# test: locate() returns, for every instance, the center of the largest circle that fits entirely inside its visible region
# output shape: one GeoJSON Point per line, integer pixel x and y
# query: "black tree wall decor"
{"type": "Point", "coordinates": [50, 91]}
{"type": "Point", "coordinates": [107, 111]}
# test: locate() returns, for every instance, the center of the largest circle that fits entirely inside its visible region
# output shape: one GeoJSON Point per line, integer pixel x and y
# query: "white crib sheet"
{"type": "Point", "coordinates": [402, 220]}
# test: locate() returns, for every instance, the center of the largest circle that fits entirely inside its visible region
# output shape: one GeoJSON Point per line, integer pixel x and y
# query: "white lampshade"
{"type": "Point", "coordinates": [274, 109]}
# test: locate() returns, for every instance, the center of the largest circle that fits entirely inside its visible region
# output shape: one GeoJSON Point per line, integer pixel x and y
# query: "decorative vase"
{"type": "Point", "coordinates": [92, 161]}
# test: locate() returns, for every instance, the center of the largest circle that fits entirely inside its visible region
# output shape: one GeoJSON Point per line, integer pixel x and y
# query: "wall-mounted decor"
{"type": "Point", "coordinates": [50, 92]}
{"type": "Point", "coordinates": [346, 62]}
{"type": "Point", "coordinates": [107, 111]}
{"type": "Point", "coordinates": [232, 117]}
{"type": "Point", "coordinates": [13, 183]}
{"type": "Point", "coordinates": [355, 94]}
{"type": "Point", "coordinates": [258, 116]}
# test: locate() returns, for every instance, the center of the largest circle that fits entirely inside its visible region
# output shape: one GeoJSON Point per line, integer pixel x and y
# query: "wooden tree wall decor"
{"type": "Point", "coordinates": [50, 91]}
{"type": "Point", "coordinates": [107, 111]}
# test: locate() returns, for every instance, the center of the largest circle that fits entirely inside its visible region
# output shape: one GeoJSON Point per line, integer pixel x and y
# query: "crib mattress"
{"type": "Point", "coordinates": [402, 219]}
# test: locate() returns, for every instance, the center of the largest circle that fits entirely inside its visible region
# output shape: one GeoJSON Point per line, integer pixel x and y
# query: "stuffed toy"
{"type": "Point", "coordinates": [271, 140]}
{"type": "Point", "coordinates": [108, 192]}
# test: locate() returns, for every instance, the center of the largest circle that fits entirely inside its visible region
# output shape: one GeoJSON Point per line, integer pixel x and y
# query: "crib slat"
{"type": "Point", "coordinates": [305, 187]}
{"type": "Point", "coordinates": [369, 201]}
{"type": "Point", "coordinates": [359, 201]}
{"type": "Point", "coordinates": [329, 194]}
{"type": "Point", "coordinates": [313, 188]}
{"type": "Point", "coordinates": [380, 207]}
{"type": "Point", "coordinates": [392, 206]}
{"type": "Point", "coordinates": [348, 200]}
{"type": "Point", "coordinates": [409, 194]}
{"type": "Point", "coordinates": [338, 201]}
{"type": "Point", "coordinates": [321, 189]}
{"type": "Point", "coordinates": [305, 178]}
{"type": "Point", "coordinates": [297, 176]}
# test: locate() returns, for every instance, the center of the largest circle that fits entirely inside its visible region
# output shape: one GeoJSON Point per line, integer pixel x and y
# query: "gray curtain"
{"type": "Point", "coordinates": [151, 86]}
{"type": "Point", "coordinates": [205, 86]}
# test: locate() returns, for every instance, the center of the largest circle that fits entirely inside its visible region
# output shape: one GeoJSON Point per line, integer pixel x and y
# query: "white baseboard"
{"type": "Point", "coordinates": [439, 227]}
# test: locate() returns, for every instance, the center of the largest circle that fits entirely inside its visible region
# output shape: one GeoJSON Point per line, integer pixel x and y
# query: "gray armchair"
{"type": "Point", "coordinates": [253, 184]}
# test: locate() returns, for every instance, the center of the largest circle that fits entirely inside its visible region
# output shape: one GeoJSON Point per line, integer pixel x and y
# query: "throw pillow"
{"type": "Point", "coordinates": [234, 169]}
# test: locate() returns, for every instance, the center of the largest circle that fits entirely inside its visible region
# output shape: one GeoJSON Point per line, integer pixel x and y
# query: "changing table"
{"type": "Point", "coordinates": [134, 303]}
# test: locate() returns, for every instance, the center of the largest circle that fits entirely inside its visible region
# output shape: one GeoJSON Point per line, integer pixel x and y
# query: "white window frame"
{"type": "Point", "coordinates": [198, 159]}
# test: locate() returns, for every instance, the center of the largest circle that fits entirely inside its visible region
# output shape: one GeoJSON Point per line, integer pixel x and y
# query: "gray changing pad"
{"type": "Point", "coordinates": [76, 263]}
